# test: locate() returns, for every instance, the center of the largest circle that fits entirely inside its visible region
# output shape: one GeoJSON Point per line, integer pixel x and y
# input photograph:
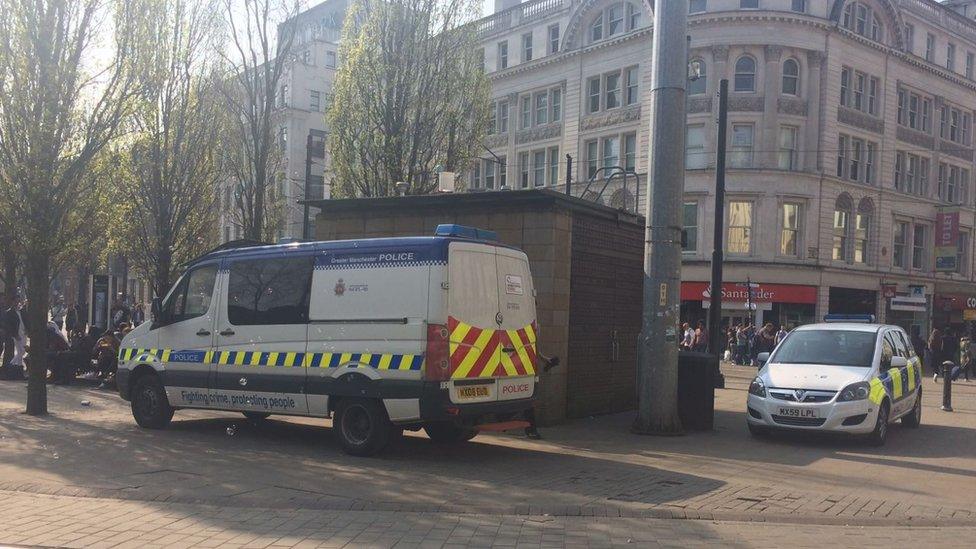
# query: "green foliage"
{"type": "Point", "coordinates": [410, 96]}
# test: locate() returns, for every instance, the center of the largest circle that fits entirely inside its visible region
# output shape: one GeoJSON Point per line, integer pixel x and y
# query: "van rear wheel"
{"type": "Point", "coordinates": [445, 431]}
{"type": "Point", "coordinates": [362, 426]}
{"type": "Point", "coordinates": [150, 407]}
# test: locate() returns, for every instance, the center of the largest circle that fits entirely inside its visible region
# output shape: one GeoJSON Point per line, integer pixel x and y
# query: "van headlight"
{"type": "Point", "coordinates": [854, 391]}
{"type": "Point", "coordinates": [757, 388]}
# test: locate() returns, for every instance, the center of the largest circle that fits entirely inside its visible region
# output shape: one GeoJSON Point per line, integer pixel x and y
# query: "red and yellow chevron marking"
{"type": "Point", "coordinates": [480, 352]}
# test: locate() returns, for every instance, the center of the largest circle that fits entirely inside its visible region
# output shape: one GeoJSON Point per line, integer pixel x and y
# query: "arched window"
{"type": "Point", "coordinates": [613, 20]}
{"type": "Point", "coordinates": [862, 226]}
{"type": "Point", "coordinates": [842, 225]}
{"type": "Point", "coordinates": [861, 19]}
{"type": "Point", "coordinates": [697, 83]}
{"type": "Point", "coordinates": [745, 74]}
{"type": "Point", "coordinates": [791, 77]}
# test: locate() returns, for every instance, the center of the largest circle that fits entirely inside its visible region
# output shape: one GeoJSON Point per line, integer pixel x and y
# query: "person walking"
{"type": "Point", "coordinates": [742, 345]}
{"type": "Point", "coordinates": [700, 342]}
{"type": "Point", "coordinates": [16, 329]}
{"type": "Point", "coordinates": [58, 312]}
{"type": "Point", "coordinates": [933, 351]}
{"type": "Point", "coordinates": [687, 337]}
{"type": "Point", "coordinates": [71, 319]}
{"type": "Point", "coordinates": [781, 334]}
{"type": "Point", "coordinates": [8, 331]}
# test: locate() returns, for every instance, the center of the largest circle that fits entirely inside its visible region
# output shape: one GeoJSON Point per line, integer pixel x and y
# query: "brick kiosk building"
{"type": "Point", "coordinates": [587, 265]}
{"type": "Point", "coordinates": [850, 129]}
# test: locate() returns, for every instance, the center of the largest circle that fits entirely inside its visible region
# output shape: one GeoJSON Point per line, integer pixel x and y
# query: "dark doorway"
{"type": "Point", "coordinates": [851, 301]}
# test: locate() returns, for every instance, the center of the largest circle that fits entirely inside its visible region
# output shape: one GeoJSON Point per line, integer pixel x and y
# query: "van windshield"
{"type": "Point", "coordinates": [830, 347]}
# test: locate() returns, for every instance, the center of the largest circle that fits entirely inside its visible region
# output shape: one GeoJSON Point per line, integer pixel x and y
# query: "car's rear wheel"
{"type": "Point", "coordinates": [150, 407]}
{"type": "Point", "coordinates": [879, 436]}
{"type": "Point", "coordinates": [914, 418]}
{"type": "Point", "coordinates": [362, 426]}
{"type": "Point", "coordinates": [444, 431]}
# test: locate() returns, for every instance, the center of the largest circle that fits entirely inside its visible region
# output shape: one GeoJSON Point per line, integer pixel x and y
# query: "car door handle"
{"type": "Point", "coordinates": [227, 332]}
{"type": "Point", "coordinates": [203, 333]}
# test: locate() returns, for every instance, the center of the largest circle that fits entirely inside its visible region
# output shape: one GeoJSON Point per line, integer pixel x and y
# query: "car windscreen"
{"type": "Point", "coordinates": [831, 347]}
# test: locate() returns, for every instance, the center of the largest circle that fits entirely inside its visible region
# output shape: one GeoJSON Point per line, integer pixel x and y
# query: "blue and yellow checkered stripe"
{"type": "Point", "coordinates": [379, 361]}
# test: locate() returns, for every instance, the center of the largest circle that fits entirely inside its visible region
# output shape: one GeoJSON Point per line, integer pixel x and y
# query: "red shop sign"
{"type": "Point", "coordinates": [761, 293]}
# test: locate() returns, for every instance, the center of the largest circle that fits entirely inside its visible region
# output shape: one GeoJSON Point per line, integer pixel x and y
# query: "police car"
{"type": "Point", "coordinates": [381, 335]}
{"type": "Point", "coordinates": [846, 375]}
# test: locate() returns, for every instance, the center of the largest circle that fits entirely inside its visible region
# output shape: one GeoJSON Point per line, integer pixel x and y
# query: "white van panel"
{"type": "Point", "coordinates": [473, 296]}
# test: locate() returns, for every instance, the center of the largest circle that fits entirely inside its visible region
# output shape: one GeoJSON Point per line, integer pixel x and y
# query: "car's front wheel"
{"type": "Point", "coordinates": [150, 407]}
{"type": "Point", "coordinates": [879, 436]}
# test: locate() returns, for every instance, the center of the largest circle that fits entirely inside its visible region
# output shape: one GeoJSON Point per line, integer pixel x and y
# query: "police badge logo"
{"type": "Point", "coordinates": [340, 287]}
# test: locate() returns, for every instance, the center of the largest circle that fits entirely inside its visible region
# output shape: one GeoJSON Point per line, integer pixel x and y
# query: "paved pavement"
{"type": "Point", "coordinates": [590, 472]}
{"type": "Point", "coordinates": [60, 521]}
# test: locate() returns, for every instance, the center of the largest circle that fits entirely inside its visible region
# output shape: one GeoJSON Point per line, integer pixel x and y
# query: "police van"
{"type": "Point", "coordinates": [380, 335]}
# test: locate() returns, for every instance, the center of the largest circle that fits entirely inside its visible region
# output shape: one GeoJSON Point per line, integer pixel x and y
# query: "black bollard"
{"type": "Point", "coordinates": [947, 386]}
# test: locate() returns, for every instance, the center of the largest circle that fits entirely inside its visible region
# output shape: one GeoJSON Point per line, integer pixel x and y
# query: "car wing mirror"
{"type": "Point", "coordinates": [898, 362]}
{"type": "Point", "coordinates": [762, 358]}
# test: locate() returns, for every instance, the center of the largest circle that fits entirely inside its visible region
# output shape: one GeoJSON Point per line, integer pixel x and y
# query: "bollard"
{"type": "Point", "coordinates": [947, 386]}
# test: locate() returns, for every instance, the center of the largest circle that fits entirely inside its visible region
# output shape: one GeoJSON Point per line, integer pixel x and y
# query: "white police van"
{"type": "Point", "coordinates": [847, 375]}
{"type": "Point", "coordinates": [381, 334]}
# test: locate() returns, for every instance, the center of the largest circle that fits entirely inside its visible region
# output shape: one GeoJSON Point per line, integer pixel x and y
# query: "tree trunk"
{"type": "Point", "coordinates": [38, 294]}
{"type": "Point", "coordinates": [161, 280]}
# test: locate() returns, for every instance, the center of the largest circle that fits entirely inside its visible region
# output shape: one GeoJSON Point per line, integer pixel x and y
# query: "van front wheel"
{"type": "Point", "coordinates": [362, 426]}
{"type": "Point", "coordinates": [444, 431]}
{"type": "Point", "coordinates": [150, 407]}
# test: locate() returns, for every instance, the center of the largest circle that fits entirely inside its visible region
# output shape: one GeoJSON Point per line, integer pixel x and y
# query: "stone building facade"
{"type": "Point", "coordinates": [850, 132]}
{"type": "Point", "coordinates": [303, 97]}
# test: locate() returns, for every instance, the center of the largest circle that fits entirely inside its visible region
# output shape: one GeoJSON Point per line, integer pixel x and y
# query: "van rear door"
{"type": "Point", "coordinates": [491, 316]}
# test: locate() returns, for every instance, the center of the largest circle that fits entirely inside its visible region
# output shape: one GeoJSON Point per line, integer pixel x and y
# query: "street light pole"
{"type": "Point", "coordinates": [308, 180]}
{"type": "Point", "coordinates": [715, 307]}
{"type": "Point", "coordinates": [657, 363]}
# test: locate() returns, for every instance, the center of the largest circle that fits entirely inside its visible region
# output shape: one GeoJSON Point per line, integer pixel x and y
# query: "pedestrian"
{"type": "Point", "coordinates": [965, 359]}
{"type": "Point", "coordinates": [742, 345]}
{"type": "Point", "coordinates": [532, 430]}
{"type": "Point", "coordinates": [687, 337]}
{"type": "Point", "coordinates": [138, 314]}
{"type": "Point", "coordinates": [58, 311]}
{"type": "Point", "coordinates": [8, 330]}
{"type": "Point", "coordinates": [781, 334]}
{"type": "Point", "coordinates": [933, 351]}
{"type": "Point", "coordinates": [16, 328]}
{"type": "Point", "coordinates": [700, 340]}
{"type": "Point", "coordinates": [71, 319]}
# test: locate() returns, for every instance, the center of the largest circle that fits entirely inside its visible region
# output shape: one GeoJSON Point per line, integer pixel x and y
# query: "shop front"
{"type": "Point", "coordinates": [956, 311]}
{"type": "Point", "coordinates": [782, 304]}
{"type": "Point", "coordinates": [908, 309]}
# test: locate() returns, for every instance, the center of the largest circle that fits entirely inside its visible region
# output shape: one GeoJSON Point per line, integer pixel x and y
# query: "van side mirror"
{"type": "Point", "coordinates": [762, 358]}
{"type": "Point", "coordinates": [899, 362]}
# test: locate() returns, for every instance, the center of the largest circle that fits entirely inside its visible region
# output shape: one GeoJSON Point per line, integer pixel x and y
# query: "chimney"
{"type": "Point", "coordinates": [502, 5]}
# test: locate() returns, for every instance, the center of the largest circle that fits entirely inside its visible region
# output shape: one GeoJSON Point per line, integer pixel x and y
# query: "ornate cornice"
{"type": "Point", "coordinates": [749, 103]}
{"type": "Point", "coordinates": [860, 120]}
{"type": "Point", "coordinates": [793, 106]}
{"type": "Point", "coordinates": [539, 133]}
{"type": "Point", "coordinates": [611, 118]}
{"type": "Point", "coordinates": [699, 104]}
{"type": "Point", "coordinates": [914, 137]}
{"type": "Point", "coordinates": [720, 53]}
{"type": "Point", "coordinates": [958, 151]}
{"type": "Point", "coordinates": [774, 54]}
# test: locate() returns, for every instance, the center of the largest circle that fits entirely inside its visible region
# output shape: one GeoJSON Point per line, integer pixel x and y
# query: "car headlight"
{"type": "Point", "coordinates": [757, 388]}
{"type": "Point", "coordinates": [855, 391]}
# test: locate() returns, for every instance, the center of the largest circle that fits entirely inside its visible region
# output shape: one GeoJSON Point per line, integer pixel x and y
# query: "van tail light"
{"type": "Point", "coordinates": [437, 362]}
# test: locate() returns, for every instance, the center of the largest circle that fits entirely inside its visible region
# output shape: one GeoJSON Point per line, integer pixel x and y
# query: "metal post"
{"type": "Point", "coordinates": [569, 175]}
{"type": "Point", "coordinates": [657, 365]}
{"type": "Point", "coordinates": [715, 309]}
{"type": "Point", "coordinates": [947, 385]}
{"type": "Point", "coordinates": [752, 315]}
{"type": "Point", "coordinates": [308, 179]}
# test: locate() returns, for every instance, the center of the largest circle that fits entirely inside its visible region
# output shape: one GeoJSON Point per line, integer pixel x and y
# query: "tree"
{"type": "Point", "coordinates": [168, 170]}
{"type": "Point", "coordinates": [258, 61]}
{"type": "Point", "coordinates": [410, 95]}
{"type": "Point", "coordinates": [58, 109]}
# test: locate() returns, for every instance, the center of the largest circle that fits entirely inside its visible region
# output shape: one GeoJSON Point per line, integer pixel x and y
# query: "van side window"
{"type": "Point", "coordinates": [193, 295]}
{"type": "Point", "coordinates": [269, 291]}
